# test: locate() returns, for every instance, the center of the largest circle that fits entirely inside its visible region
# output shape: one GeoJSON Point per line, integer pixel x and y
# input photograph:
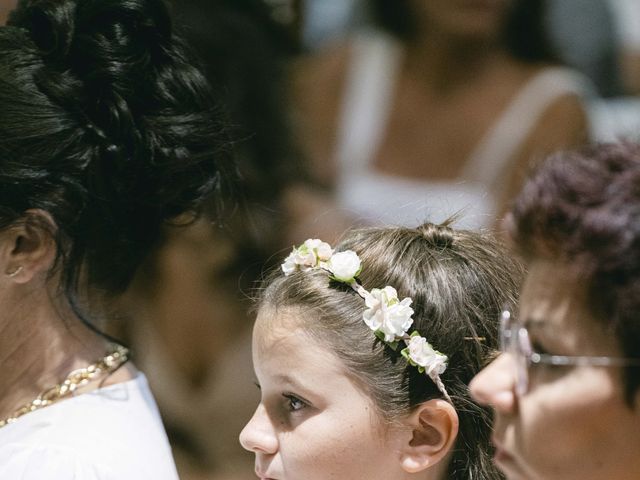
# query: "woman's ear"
{"type": "Point", "coordinates": [28, 247]}
{"type": "Point", "coordinates": [434, 428]}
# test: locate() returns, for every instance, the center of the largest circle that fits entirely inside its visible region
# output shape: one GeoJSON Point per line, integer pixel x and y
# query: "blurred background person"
{"type": "Point", "coordinates": [190, 299]}
{"type": "Point", "coordinates": [436, 110]}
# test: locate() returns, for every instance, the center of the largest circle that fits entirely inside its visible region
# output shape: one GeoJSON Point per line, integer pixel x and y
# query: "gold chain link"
{"type": "Point", "coordinates": [74, 380]}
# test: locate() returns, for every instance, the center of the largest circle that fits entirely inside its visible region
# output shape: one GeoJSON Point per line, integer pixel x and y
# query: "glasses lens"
{"type": "Point", "coordinates": [522, 357]}
{"type": "Point", "coordinates": [514, 340]}
{"type": "Point", "coordinates": [506, 331]}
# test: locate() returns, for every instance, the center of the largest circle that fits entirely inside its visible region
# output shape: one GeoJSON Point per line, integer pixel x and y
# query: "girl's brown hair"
{"type": "Point", "coordinates": [458, 280]}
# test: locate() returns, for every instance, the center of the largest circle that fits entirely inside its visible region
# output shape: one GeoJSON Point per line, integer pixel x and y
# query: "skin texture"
{"type": "Point", "coordinates": [573, 423]}
{"type": "Point", "coordinates": [41, 340]}
{"type": "Point", "coordinates": [314, 423]}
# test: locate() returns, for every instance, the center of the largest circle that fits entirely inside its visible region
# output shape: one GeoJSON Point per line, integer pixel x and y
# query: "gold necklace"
{"type": "Point", "coordinates": [74, 380]}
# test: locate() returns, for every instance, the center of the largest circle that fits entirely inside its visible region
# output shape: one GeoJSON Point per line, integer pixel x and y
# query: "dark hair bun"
{"type": "Point", "coordinates": [135, 140]}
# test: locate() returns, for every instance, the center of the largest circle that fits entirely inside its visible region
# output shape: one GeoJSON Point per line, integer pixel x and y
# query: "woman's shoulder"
{"type": "Point", "coordinates": [549, 113]}
{"type": "Point", "coordinates": [113, 430]}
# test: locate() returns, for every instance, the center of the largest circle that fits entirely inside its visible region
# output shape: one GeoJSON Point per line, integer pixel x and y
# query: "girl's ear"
{"type": "Point", "coordinates": [434, 428]}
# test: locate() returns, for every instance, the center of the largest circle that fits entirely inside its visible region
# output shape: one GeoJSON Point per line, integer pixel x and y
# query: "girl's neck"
{"type": "Point", "coordinates": [41, 342]}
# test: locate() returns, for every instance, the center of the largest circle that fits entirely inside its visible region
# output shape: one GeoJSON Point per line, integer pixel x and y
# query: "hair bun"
{"type": "Point", "coordinates": [437, 235]}
{"type": "Point", "coordinates": [100, 56]}
{"type": "Point", "coordinates": [60, 28]}
{"type": "Point", "coordinates": [49, 23]}
{"type": "Point", "coordinates": [130, 129]}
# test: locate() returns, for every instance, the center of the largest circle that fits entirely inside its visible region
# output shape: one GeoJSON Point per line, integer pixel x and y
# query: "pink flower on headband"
{"type": "Point", "coordinates": [311, 254]}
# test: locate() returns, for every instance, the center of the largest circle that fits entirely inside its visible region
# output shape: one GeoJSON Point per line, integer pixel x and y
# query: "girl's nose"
{"type": "Point", "coordinates": [495, 385]}
{"type": "Point", "coordinates": [258, 436]}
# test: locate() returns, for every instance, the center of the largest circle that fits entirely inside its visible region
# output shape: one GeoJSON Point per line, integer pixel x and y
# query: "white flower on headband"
{"type": "Point", "coordinates": [344, 266]}
{"type": "Point", "coordinates": [308, 255]}
{"type": "Point", "coordinates": [388, 317]}
{"type": "Point", "coordinates": [386, 314]}
{"type": "Point", "coordinates": [420, 353]}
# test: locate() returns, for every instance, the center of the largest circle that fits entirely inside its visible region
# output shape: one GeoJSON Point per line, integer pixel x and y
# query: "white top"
{"type": "Point", "coordinates": [113, 433]}
{"type": "Point", "coordinates": [378, 197]}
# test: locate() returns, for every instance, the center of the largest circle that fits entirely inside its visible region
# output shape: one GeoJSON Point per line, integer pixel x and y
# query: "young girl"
{"type": "Point", "coordinates": [363, 355]}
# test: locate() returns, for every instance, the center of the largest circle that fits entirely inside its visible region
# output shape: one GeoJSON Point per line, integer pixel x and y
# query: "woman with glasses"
{"type": "Point", "coordinates": [565, 390]}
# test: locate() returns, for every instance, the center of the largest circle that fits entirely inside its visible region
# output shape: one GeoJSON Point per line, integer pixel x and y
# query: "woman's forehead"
{"type": "Point", "coordinates": [555, 300]}
{"type": "Point", "coordinates": [552, 285]}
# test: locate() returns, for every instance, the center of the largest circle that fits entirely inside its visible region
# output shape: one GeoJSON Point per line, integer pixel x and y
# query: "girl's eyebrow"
{"type": "Point", "coordinates": [284, 378]}
{"type": "Point", "coordinates": [293, 383]}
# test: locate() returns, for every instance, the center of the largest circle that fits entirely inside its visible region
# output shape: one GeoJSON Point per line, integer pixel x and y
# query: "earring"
{"type": "Point", "coordinates": [15, 272]}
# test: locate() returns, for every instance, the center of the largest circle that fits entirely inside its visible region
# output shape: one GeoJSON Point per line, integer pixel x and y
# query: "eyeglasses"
{"type": "Point", "coordinates": [514, 339]}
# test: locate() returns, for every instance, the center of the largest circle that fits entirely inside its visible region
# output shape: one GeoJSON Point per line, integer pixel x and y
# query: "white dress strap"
{"type": "Point", "coordinates": [367, 98]}
{"type": "Point", "coordinates": [515, 124]}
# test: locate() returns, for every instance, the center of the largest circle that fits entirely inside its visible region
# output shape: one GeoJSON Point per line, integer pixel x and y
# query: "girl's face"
{"type": "Point", "coordinates": [312, 423]}
{"type": "Point", "coordinates": [572, 423]}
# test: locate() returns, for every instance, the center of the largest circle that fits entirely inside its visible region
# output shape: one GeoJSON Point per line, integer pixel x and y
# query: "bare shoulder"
{"type": "Point", "coordinates": [563, 124]}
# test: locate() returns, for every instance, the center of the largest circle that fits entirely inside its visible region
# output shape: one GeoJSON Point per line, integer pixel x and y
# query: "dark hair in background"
{"type": "Point", "coordinates": [244, 51]}
{"type": "Point", "coordinates": [524, 34]}
{"type": "Point", "coordinates": [109, 126]}
{"type": "Point", "coordinates": [583, 208]}
{"type": "Point", "coordinates": [458, 280]}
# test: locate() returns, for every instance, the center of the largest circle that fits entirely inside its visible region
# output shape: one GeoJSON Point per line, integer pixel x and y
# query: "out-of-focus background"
{"type": "Point", "coordinates": [356, 112]}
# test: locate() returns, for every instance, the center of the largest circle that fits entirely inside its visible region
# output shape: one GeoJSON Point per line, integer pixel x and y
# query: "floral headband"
{"type": "Point", "coordinates": [387, 316]}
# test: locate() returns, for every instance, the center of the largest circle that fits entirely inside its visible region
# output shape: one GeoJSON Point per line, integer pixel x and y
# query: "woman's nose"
{"type": "Point", "coordinates": [494, 386]}
{"type": "Point", "coordinates": [258, 436]}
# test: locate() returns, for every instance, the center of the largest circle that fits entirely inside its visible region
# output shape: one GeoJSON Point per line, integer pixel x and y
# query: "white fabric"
{"type": "Point", "coordinates": [517, 121]}
{"type": "Point", "coordinates": [381, 198]}
{"type": "Point", "coordinates": [113, 433]}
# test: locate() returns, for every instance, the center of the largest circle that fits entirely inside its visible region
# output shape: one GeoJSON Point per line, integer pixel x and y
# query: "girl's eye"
{"type": "Point", "coordinates": [293, 403]}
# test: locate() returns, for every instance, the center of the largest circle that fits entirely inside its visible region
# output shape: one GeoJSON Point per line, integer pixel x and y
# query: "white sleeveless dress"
{"type": "Point", "coordinates": [380, 198]}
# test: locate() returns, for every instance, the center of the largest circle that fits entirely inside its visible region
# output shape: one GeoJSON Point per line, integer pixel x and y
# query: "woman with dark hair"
{"type": "Point", "coordinates": [341, 396]}
{"type": "Point", "coordinates": [566, 389]}
{"type": "Point", "coordinates": [191, 330]}
{"type": "Point", "coordinates": [437, 109]}
{"type": "Point", "coordinates": [107, 132]}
